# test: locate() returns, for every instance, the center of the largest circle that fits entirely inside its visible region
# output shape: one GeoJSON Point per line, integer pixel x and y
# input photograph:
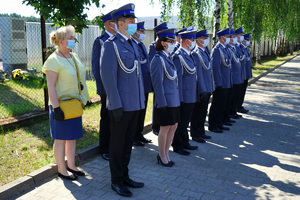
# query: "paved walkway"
{"type": "Point", "coordinates": [259, 158]}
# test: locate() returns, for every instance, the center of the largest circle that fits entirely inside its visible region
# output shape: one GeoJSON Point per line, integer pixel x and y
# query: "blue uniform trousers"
{"type": "Point", "coordinates": [217, 108]}
{"type": "Point", "coordinates": [104, 131]}
{"type": "Point", "coordinates": [230, 94]}
{"type": "Point", "coordinates": [141, 120]}
{"type": "Point", "coordinates": [199, 116]}
{"type": "Point", "coordinates": [242, 94]}
{"type": "Point", "coordinates": [181, 137]}
{"type": "Point", "coordinates": [237, 89]}
{"type": "Point", "coordinates": [121, 141]}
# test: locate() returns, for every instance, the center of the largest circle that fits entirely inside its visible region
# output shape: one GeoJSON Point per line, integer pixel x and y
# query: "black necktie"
{"type": "Point", "coordinates": [130, 41]}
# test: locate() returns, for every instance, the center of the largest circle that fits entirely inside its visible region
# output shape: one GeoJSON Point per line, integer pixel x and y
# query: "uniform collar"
{"type": "Point", "coordinates": [166, 53]}
{"type": "Point", "coordinates": [188, 52]}
{"type": "Point", "coordinates": [243, 45]}
{"type": "Point", "coordinates": [135, 40]}
{"type": "Point", "coordinates": [222, 44]}
{"type": "Point", "coordinates": [126, 38]}
{"type": "Point", "coordinates": [108, 33]}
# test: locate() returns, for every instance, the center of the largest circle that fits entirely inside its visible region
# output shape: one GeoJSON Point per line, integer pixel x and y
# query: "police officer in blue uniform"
{"type": "Point", "coordinates": [236, 69]}
{"type": "Point", "coordinates": [240, 34]}
{"type": "Point", "coordinates": [138, 37]}
{"type": "Point", "coordinates": [161, 27]}
{"type": "Point", "coordinates": [205, 86]}
{"type": "Point", "coordinates": [187, 84]}
{"type": "Point", "coordinates": [248, 67]}
{"type": "Point", "coordinates": [164, 80]}
{"type": "Point", "coordinates": [221, 65]}
{"type": "Point", "coordinates": [104, 132]}
{"type": "Point", "coordinates": [178, 40]}
{"type": "Point", "coordinates": [123, 82]}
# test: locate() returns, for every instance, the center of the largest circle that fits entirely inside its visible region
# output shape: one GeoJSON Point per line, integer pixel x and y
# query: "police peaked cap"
{"type": "Point", "coordinates": [188, 35]}
{"type": "Point", "coordinates": [223, 32]}
{"type": "Point", "coordinates": [202, 33]}
{"type": "Point", "coordinates": [106, 17]}
{"type": "Point", "coordinates": [247, 36]}
{"type": "Point", "coordinates": [124, 11]}
{"type": "Point", "coordinates": [168, 33]}
{"type": "Point", "coordinates": [239, 30]}
{"type": "Point", "coordinates": [140, 26]}
{"type": "Point", "coordinates": [160, 27]}
{"type": "Point", "coordinates": [181, 30]}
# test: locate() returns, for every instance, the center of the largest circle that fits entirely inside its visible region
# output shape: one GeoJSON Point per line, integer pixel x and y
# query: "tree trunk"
{"type": "Point", "coordinates": [230, 13]}
{"type": "Point", "coordinates": [277, 44]}
{"type": "Point", "coordinates": [292, 48]}
{"type": "Point", "coordinates": [217, 21]}
{"type": "Point", "coordinates": [258, 59]}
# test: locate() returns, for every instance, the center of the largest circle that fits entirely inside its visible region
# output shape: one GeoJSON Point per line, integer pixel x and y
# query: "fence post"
{"type": "Point", "coordinates": [43, 37]}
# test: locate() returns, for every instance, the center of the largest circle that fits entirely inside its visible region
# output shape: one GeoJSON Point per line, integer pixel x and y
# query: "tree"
{"type": "Point", "coordinates": [63, 12]}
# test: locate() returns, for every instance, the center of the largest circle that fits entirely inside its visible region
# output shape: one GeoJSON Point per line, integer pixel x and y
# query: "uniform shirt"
{"type": "Point", "coordinates": [165, 90]}
{"type": "Point", "coordinates": [124, 89]}
{"type": "Point", "coordinates": [144, 59]}
{"type": "Point", "coordinates": [96, 54]}
{"type": "Point", "coordinates": [236, 68]}
{"type": "Point", "coordinates": [205, 73]}
{"type": "Point", "coordinates": [177, 46]}
{"type": "Point", "coordinates": [187, 79]}
{"type": "Point", "coordinates": [242, 60]}
{"type": "Point", "coordinates": [221, 68]}
{"type": "Point", "coordinates": [67, 80]}
{"type": "Point", "coordinates": [248, 65]}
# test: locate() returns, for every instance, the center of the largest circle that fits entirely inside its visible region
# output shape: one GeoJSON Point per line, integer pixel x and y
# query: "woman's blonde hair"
{"type": "Point", "coordinates": [61, 34]}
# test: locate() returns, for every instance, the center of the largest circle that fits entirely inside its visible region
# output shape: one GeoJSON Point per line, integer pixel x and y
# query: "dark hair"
{"type": "Point", "coordinates": [158, 46]}
{"type": "Point", "coordinates": [120, 19]}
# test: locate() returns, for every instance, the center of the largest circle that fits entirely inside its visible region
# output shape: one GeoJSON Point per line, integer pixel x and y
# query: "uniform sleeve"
{"type": "Point", "coordinates": [156, 72]}
{"type": "Point", "coordinates": [108, 72]}
{"type": "Point", "coordinates": [96, 60]}
{"type": "Point", "coordinates": [51, 65]}
{"type": "Point", "coordinates": [201, 88]}
{"type": "Point", "coordinates": [179, 75]}
{"type": "Point", "coordinates": [216, 65]}
{"type": "Point", "coordinates": [152, 52]}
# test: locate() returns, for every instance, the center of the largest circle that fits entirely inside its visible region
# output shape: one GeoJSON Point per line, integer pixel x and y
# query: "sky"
{"type": "Point", "coordinates": [142, 8]}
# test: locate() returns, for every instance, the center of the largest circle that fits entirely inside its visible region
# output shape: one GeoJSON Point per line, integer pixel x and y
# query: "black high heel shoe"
{"type": "Point", "coordinates": [78, 173]}
{"type": "Point", "coordinates": [171, 162]}
{"type": "Point", "coordinates": [159, 161]}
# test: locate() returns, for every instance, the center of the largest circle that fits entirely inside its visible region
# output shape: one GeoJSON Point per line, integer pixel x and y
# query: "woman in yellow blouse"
{"type": "Point", "coordinates": [61, 73]}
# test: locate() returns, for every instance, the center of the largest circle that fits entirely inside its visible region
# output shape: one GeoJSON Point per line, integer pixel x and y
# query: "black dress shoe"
{"type": "Point", "coordinates": [138, 143]}
{"type": "Point", "coordinates": [155, 132]}
{"type": "Point", "coordinates": [144, 140]}
{"type": "Point", "coordinates": [131, 183]}
{"type": "Point", "coordinates": [105, 156]}
{"type": "Point", "coordinates": [204, 136]}
{"type": "Point", "coordinates": [231, 121]}
{"type": "Point", "coordinates": [242, 110]}
{"type": "Point", "coordinates": [199, 139]}
{"type": "Point", "coordinates": [216, 130]}
{"type": "Point", "coordinates": [234, 116]}
{"type": "Point", "coordinates": [227, 124]}
{"type": "Point", "coordinates": [78, 173]}
{"type": "Point", "coordinates": [182, 152]}
{"type": "Point", "coordinates": [171, 163]}
{"type": "Point", "coordinates": [159, 161]}
{"type": "Point", "coordinates": [223, 128]}
{"type": "Point", "coordinates": [71, 177]}
{"type": "Point", "coordinates": [121, 190]}
{"type": "Point", "coordinates": [190, 147]}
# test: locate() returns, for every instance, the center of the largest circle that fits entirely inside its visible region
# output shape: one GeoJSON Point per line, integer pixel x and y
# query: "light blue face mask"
{"type": "Point", "coordinates": [71, 44]}
{"type": "Point", "coordinates": [131, 29]}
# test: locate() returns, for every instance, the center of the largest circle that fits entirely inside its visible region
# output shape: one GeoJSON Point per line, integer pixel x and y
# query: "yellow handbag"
{"type": "Point", "coordinates": [72, 108]}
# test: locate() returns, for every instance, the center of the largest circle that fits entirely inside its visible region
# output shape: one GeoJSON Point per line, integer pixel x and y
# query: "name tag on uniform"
{"type": "Point", "coordinates": [124, 51]}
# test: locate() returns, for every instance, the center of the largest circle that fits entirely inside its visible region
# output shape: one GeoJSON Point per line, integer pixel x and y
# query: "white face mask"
{"type": "Point", "coordinates": [206, 41]}
{"type": "Point", "coordinates": [241, 38]}
{"type": "Point", "coordinates": [247, 43]}
{"type": "Point", "coordinates": [141, 37]}
{"type": "Point", "coordinates": [193, 44]}
{"type": "Point", "coordinates": [114, 27]}
{"type": "Point", "coordinates": [171, 47]}
{"type": "Point", "coordinates": [234, 40]}
{"type": "Point", "coordinates": [227, 40]}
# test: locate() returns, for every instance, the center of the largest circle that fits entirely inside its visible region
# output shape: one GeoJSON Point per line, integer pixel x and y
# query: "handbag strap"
{"type": "Point", "coordinates": [78, 77]}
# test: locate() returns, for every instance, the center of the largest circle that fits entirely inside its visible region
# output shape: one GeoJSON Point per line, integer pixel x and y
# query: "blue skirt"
{"type": "Point", "coordinates": [70, 129]}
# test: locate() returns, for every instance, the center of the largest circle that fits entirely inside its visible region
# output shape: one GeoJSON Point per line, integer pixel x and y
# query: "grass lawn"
{"type": "Point", "coordinates": [268, 63]}
{"type": "Point", "coordinates": [25, 149]}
